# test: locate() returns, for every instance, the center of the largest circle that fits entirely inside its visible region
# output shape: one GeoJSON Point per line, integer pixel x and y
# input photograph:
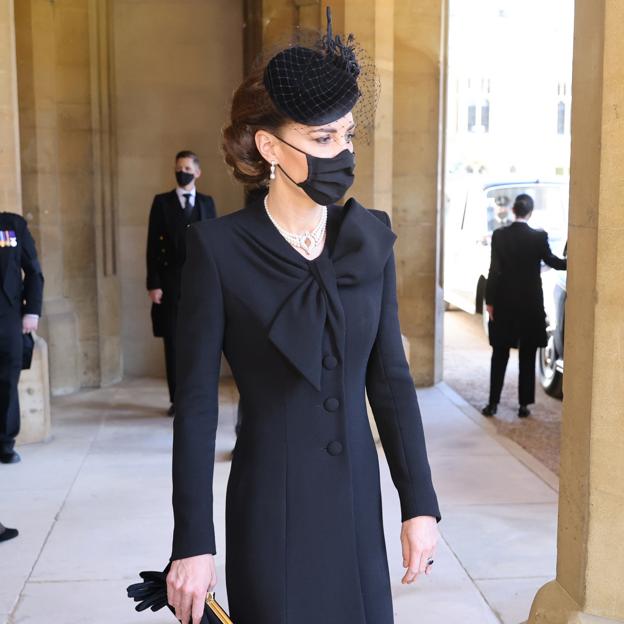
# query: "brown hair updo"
{"type": "Point", "coordinates": [252, 110]}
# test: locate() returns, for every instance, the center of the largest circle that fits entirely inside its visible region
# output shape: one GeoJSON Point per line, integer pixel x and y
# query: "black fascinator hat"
{"type": "Point", "coordinates": [318, 81]}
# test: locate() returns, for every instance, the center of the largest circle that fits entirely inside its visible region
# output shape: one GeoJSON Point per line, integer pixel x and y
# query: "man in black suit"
{"type": "Point", "coordinates": [515, 302]}
{"type": "Point", "coordinates": [21, 295]}
{"type": "Point", "coordinates": [170, 216]}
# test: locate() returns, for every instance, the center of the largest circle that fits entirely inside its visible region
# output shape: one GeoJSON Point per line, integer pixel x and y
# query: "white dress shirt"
{"type": "Point", "coordinates": [181, 192]}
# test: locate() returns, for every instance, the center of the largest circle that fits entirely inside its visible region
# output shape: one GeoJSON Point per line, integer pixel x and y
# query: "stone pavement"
{"type": "Point", "coordinates": [93, 508]}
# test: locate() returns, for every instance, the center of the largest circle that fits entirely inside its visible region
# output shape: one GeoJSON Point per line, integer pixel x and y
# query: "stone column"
{"type": "Point", "coordinates": [372, 22]}
{"type": "Point", "coordinates": [419, 27]}
{"type": "Point", "coordinates": [67, 151]}
{"type": "Point", "coordinates": [10, 186]}
{"type": "Point", "coordinates": [39, 127]}
{"type": "Point", "coordinates": [590, 564]}
{"type": "Point", "coordinates": [33, 388]}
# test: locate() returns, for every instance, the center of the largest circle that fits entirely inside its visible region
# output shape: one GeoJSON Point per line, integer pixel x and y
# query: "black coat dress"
{"type": "Point", "coordinates": [304, 534]}
{"type": "Point", "coordinates": [166, 253]}
{"type": "Point", "coordinates": [514, 285]}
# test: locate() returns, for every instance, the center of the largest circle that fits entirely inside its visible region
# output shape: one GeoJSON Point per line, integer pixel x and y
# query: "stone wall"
{"type": "Point", "coordinates": [417, 178]}
{"type": "Point", "coordinates": [171, 91]}
{"type": "Point", "coordinates": [59, 63]}
{"type": "Point", "coordinates": [109, 91]}
{"type": "Point", "coordinates": [10, 191]}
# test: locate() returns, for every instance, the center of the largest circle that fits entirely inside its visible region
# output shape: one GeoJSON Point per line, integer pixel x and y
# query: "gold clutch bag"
{"type": "Point", "coordinates": [216, 610]}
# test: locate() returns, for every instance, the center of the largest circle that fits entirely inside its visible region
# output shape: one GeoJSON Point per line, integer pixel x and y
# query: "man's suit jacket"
{"type": "Point", "coordinates": [166, 252]}
{"type": "Point", "coordinates": [21, 279]}
{"type": "Point", "coordinates": [514, 284]}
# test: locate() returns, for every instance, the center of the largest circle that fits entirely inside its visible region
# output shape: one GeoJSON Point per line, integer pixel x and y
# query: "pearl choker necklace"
{"type": "Point", "coordinates": [307, 241]}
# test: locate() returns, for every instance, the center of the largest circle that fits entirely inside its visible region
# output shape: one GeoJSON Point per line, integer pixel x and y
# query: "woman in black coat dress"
{"type": "Point", "coordinates": [300, 295]}
{"type": "Point", "coordinates": [515, 302]}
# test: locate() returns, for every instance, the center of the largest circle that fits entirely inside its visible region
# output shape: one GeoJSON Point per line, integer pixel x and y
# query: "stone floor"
{"type": "Point", "coordinates": [467, 356]}
{"type": "Point", "coordinates": [93, 508]}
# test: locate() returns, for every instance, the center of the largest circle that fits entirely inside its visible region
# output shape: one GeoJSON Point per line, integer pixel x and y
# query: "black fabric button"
{"type": "Point", "coordinates": [334, 447]}
{"type": "Point", "coordinates": [329, 362]}
{"type": "Point", "coordinates": [331, 404]}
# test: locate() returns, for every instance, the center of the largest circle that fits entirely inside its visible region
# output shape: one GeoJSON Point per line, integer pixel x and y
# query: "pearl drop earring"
{"type": "Point", "coordinates": [272, 176]}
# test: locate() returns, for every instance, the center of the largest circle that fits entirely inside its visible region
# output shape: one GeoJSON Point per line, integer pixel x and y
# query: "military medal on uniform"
{"type": "Point", "coordinates": [8, 238]}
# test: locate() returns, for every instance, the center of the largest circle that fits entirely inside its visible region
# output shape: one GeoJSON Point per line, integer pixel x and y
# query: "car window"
{"type": "Point", "coordinates": [550, 213]}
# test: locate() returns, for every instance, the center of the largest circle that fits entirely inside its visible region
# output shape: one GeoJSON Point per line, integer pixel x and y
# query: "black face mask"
{"type": "Point", "coordinates": [328, 178]}
{"type": "Point", "coordinates": [183, 178]}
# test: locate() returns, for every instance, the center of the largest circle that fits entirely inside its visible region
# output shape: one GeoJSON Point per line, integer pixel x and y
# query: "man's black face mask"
{"type": "Point", "coordinates": [183, 178]}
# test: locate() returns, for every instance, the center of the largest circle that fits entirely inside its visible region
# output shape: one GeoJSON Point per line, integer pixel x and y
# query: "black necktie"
{"type": "Point", "coordinates": [188, 209]}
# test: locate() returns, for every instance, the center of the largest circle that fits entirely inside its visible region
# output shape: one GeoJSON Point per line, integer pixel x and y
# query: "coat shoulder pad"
{"type": "Point", "coordinates": [217, 227]}
{"type": "Point", "coordinates": [382, 215]}
{"type": "Point", "coordinates": [16, 220]}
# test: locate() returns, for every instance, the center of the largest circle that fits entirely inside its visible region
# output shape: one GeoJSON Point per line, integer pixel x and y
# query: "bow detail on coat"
{"type": "Point", "coordinates": [363, 244]}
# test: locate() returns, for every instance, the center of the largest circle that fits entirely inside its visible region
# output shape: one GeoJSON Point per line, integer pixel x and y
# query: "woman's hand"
{"type": "Point", "coordinates": [419, 538]}
{"type": "Point", "coordinates": [490, 311]}
{"type": "Point", "coordinates": [188, 582]}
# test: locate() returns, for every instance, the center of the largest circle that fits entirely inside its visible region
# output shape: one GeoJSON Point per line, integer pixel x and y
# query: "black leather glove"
{"type": "Point", "coordinates": [151, 593]}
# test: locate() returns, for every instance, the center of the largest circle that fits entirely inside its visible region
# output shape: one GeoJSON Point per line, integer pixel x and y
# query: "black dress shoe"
{"type": "Point", "coordinates": [524, 411]}
{"type": "Point", "coordinates": [171, 410]}
{"type": "Point", "coordinates": [489, 409]}
{"type": "Point", "coordinates": [9, 457]}
{"type": "Point", "coordinates": [7, 534]}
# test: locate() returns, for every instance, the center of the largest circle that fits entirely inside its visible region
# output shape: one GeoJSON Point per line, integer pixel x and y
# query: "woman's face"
{"type": "Point", "coordinates": [324, 141]}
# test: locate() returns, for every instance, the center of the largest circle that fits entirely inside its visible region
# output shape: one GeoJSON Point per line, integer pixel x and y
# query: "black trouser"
{"type": "Point", "coordinates": [526, 380]}
{"type": "Point", "coordinates": [170, 358]}
{"type": "Point", "coordinates": [10, 368]}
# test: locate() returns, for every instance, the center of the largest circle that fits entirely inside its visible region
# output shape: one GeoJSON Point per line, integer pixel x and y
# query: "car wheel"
{"type": "Point", "coordinates": [550, 378]}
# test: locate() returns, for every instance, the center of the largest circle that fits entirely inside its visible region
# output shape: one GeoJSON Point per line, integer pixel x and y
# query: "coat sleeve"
{"type": "Point", "coordinates": [32, 290]}
{"type": "Point", "coordinates": [561, 264]}
{"type": "Point", "coordinates": [494, 273]}
{"type": "Point", "coordinates": [393, 399]}
{"type": "Point", "coordinates": [199, 344]}
{"type": "Point", "coordinates": [153, 232]}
